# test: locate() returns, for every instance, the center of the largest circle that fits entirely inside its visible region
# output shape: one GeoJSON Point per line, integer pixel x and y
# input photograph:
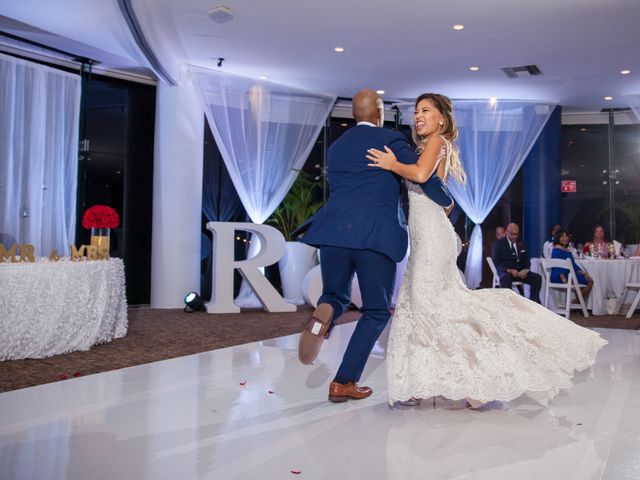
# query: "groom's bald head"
{"type": "Point", "coordinates": [366, 106]}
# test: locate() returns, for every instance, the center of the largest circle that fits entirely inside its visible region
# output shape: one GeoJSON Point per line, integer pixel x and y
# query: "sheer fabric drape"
{"type": "Point", "coordinates": [39, 120]}
{"type": "Point", "coordinates": [265, 132]}
{"type": "Point", "coordinates": [634, 102]}
{"type": "Point", "coordinates": [494, 139]}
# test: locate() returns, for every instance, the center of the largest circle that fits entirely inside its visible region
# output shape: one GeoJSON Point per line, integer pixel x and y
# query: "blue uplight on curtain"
{"type": "Point", "coordinates": [220, 202]}
{"type": "Point", "coordinates": [39, 118]}
{"type": "Point", "coordinates": [494, 139]}
{"type": "Point", "coordinates": [265, 133]}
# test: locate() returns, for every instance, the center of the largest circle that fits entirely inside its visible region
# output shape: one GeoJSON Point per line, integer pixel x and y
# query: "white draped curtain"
{"type": "Point", "coordinates": [494, 139]}
{"type": "Point", "coordinates": [634, 102]}
{"type": "Point", "coordinates": [39, 121]}
{"type": "Point", "coordinates": [265, 133]}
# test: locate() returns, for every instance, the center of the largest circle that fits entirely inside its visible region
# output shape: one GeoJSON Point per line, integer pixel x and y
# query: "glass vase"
{"type": "Point", "coordinates": [100, 237]}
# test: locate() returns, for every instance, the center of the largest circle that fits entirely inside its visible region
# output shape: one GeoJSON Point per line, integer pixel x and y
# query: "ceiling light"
{"type": "Point", "coordinates": [343, 124]}
{"type": "Point", "coordinates": [458, 27]}
{"type": "Point", "coordinates": [338, 49]}
{"type": "Point", "coordinates": [583, 129]}
{"type": "Point", "coordinates": [608, 98]}
{"type": "Point", "coordinates": [380, 92]}
{"type": "Point", "coordinates": [625, 72]}
{"type": "Point", "coordinates": [474, 68]}
{"type": "Point", "coordinates": [262, 77]}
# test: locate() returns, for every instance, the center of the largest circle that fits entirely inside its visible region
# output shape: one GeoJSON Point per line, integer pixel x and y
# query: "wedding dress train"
{"type": "Point", "coordinates": [489, 344]}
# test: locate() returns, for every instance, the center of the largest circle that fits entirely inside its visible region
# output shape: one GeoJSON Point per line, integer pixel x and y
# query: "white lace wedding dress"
{"type": "Point", "coordinates": [489, 344]}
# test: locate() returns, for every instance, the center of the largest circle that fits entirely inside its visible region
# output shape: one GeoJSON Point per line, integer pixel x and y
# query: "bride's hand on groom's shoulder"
{"type": "Point", "coordinates": [385, 160]}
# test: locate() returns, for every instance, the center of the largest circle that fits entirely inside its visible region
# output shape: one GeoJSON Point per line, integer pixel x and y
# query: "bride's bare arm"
{"type": "Point", "coordinates": [419, 172]}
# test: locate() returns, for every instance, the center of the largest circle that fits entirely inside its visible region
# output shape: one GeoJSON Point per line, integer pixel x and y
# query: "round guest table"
{"type": "Point", "coordinates": [48, 308]}
{"type": "Point", "coordinates": [609, 279]}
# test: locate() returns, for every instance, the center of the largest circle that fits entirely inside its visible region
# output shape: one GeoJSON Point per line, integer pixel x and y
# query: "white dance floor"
{"type": "Point", "coordinates": [254, 412]}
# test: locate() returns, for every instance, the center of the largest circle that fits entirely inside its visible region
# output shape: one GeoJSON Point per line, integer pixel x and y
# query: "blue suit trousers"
{"type": "Point", "coordinates": [376, 277]}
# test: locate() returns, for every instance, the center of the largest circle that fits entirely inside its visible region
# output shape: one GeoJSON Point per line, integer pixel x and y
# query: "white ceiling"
{"type": "Point", "coordinates": [404, 47]}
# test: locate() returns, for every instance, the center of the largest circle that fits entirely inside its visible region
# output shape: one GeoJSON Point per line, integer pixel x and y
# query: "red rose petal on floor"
{"type": "Point", "coordinates": [270, 392]}
{"type": "Point", "coordinates": [243, 383]}
{"type": "Point", "coordinates": [296, 472]}
{"type": "Point", "coordinates": [76, 374]}
{"type": "Point", "coordinates": [62, 377]}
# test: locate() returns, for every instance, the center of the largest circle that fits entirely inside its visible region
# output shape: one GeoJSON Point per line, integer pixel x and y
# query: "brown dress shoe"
{"type": "Point", "coordinates": [316, 330]}
{"type": "Point", "coordinates": [349, 391]}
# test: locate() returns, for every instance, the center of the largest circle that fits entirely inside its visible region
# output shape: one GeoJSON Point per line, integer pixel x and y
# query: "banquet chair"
{"type": "Point", "coordinates": [496, 277]}
{"type": "Point", "coordinates": [571, 287]}
{"type": "Point", "coordinates": [634, 303]}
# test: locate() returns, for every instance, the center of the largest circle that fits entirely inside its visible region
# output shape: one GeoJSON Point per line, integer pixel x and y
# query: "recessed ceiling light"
{"type": "Point", "coordinates": [343, 124]}
{"type": "Point", "coordinates": [583, 129]}
{"type": "Point", "coordinates": [338, 49]}
{"type": "Point", "coordinates": [625, 72]}
{"type": "Point", "coordinates": [262, 77]}
{"type": "Point", "coordinates": [458, 27]}
{"type": "Point", "coordinates": [474, 68]}
{"type": "Point", "coordinates": [608, 98]}
{"type": "Point", "coordinates": [380, 92]}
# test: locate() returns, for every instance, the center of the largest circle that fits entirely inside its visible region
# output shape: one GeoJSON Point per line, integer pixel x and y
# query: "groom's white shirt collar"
{"type": "Point", "coordinates": [368, 124]}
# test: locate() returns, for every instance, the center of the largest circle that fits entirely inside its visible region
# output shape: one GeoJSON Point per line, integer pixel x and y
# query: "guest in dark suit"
{"type": "Point", "coordinates": [511, 258]}
{"type": "Point", "coordinates": [359, 231]}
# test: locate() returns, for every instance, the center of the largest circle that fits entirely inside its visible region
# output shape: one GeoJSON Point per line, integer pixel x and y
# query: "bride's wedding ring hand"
{"type": "Point", "coordinates": [380, 159]}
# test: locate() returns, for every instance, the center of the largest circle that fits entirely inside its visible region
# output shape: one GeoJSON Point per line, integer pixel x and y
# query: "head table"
{"type": "Point", "coordinates": [609, 278]}
{"type": "Point", "coordinates": [48, 308]}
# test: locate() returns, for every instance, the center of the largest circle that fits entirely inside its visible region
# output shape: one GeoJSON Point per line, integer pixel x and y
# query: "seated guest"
{"type": "Point", "coordinates": [560, 275]}
{"type": "Point", "coordinates": [548, 245]}
{"type": "Point", "coordinates": [512, 261]}
{"type": "Point", "coordinates": [598, 246]}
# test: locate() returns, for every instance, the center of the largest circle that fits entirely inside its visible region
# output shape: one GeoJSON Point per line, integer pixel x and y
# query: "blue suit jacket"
{"type": "Point", "coordinates": [362, 211]}
{"type": "Point", "coordinates": [505, 258]}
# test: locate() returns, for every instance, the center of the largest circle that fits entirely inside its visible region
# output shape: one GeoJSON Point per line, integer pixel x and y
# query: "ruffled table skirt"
{"type": "Point", "coordinates": [49, 308]}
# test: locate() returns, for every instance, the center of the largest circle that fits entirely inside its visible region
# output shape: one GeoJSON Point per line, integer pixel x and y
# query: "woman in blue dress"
{"type": "Point", "coordinates": [560, 275]}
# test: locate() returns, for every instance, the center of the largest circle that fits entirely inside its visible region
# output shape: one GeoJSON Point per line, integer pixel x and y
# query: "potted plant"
{"type": "Point", "coordinates": [298, 258]}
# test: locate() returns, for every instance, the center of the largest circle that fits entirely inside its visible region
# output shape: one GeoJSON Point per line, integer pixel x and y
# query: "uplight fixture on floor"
{"type": "Point", "coordinates": [193, 303]}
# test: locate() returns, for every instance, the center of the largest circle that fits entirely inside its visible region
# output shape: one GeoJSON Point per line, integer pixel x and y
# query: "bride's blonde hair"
{"type": "Point", "coordinates": [448, 131]}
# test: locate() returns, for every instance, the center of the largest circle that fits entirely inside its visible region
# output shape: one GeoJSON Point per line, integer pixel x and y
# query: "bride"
{"type": "Point", "coordinates": [478, 345]}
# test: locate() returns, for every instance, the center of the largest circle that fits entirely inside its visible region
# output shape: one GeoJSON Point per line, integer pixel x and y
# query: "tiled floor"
{"type": "Point", "coordinates": [253, 411]}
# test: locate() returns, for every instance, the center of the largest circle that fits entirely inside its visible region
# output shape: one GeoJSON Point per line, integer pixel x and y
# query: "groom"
{"type": "Point", "coordinates": [359, 231]}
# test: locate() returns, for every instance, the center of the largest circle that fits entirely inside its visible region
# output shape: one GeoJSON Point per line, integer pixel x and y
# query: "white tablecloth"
{"type": "Point", "coordinates": [609, 279]}
{"type": "Point", "coordinates": [48, 308]}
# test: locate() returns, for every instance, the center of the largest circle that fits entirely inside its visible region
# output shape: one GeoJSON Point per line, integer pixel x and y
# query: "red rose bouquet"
{"type": "Point", "coordinates": [100, 216]}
